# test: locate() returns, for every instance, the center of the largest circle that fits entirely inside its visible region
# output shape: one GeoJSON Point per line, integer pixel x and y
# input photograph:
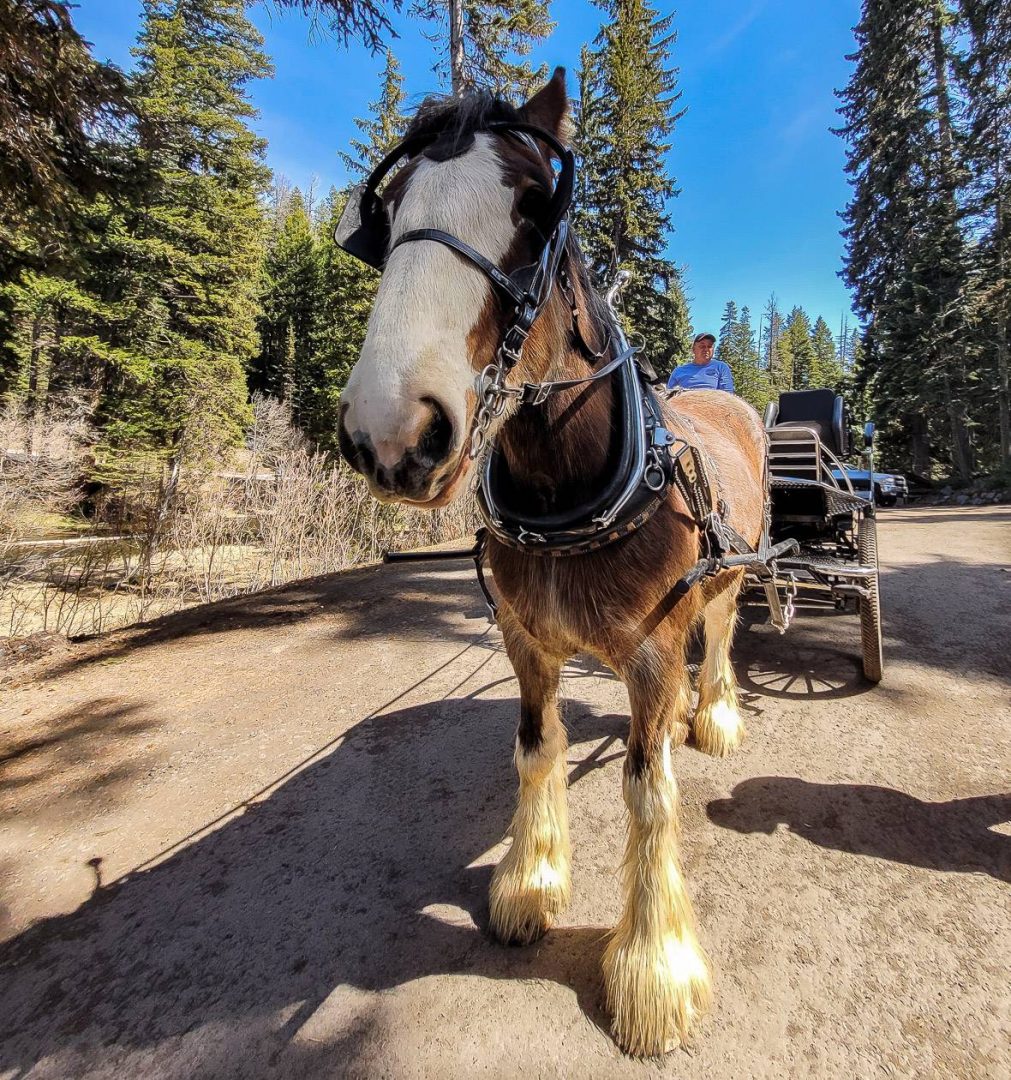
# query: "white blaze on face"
{"type": "Point", "coordinates": [429, 300]}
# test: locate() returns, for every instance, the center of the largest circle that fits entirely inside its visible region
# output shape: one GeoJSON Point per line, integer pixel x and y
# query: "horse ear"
{"type": "Point", "coordinates": [549, 107]}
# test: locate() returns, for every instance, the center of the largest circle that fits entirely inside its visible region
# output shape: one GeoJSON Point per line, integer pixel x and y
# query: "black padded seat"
{"type": "Point", "coordinates": [818, 409]}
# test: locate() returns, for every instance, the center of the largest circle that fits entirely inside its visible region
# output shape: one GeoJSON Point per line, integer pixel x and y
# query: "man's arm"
{"type": "Point", "coordinates": [726, 379]}
{"type": "Point", "coordinates": [673, 380]}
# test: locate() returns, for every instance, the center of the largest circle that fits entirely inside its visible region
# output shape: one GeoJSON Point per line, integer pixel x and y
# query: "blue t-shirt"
{"type": "Point", "coordinates": [712, 376]}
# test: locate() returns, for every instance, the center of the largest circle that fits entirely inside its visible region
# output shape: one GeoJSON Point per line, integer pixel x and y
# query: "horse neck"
{"type": "Point", "coordinates": [561, 448]}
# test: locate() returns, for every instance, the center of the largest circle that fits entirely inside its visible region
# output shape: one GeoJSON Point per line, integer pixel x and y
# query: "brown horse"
{"type": "Point", "coordinates": [407, 414]}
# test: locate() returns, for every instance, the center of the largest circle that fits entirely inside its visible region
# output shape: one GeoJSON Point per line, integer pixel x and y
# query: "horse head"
{"type": "Point", "coordinates": [410, 404]}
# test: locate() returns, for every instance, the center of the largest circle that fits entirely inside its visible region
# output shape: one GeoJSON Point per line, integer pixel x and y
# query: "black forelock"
{"type": "Point", "coordinates": [455, 120]}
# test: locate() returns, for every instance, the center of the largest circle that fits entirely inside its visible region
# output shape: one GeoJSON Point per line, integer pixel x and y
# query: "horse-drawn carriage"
{"type": "Point", "coordinates": [615, 522]}
{"type": "Point", "coordinates": [812, 502]}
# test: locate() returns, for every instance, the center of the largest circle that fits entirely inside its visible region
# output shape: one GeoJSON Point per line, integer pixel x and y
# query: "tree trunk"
{"type": "Point", "coordinates": [919, 445]}
{"type": "Point", "coordinates": [1003, 389]}
{"type": "Point", "coordinates": [457, 77]}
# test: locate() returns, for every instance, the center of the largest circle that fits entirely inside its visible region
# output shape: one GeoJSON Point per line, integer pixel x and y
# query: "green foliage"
{"type": "Point", "coordinates": [289, 302]}
{"type": "Point", "coordinates": [182, 264]}
{"type": "Point", "coordinates": [909, 232]}
{"type": "Point", "coordinates": [736, 348]}
{"type": "Point", "coordinates": [797, 346]}
{"type": "Point", "coordinates": [385, 126]}
{"type": "Point", "coordinates": [826, 368]}
{"type": "Point", "coordinates": [60, 115]}
{"type": "Point", "coordinates": [628, 109]}
{"type": "Point", "coordinates": [497, 36]}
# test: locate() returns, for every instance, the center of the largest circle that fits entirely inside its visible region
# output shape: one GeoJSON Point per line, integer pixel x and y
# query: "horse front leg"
{"type": "Point", "coordinates": [718, 726]}
{"type": "Point", "coordinates": [532, 883]}
{"type": "Point", "coordinates": [656, 974]}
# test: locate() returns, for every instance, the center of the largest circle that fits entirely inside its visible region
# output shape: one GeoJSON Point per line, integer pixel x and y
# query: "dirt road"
{"type": "Point", "coordinates": [256, 841]}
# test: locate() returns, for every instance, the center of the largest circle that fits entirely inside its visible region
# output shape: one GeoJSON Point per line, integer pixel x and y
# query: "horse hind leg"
{"type": "Point", "coordinates": [655, 971]}
{"type": "Point", "coordinates": [718, 726]}
{"type": "Point", "coordinates": [532, 883]}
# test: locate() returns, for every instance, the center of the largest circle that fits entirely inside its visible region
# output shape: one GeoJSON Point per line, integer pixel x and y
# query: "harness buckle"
{"type": "Point", "coordinates": [524, 536]}
{"type": "Point", "coordinates": [535, 393]}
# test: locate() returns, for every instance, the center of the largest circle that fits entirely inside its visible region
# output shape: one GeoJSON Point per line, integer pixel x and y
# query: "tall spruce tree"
{"type": "Point", "coordinates": [289, 302]}
{"type": "Point", "coordinates": [825, 367]}
{"type": "Point", "coordinates": [485, 43]}
{"type": "Point", "coordinates": [628, 112]}
{"type": "Point", "coordinates": [906, 255]}
{"type": "Point", "coordinates": [736, 348]}
{"type": "Point", "coordinates": [774, 357]}
{"type": "Point", "coordinates": [384, 127]}
{"type": "Point", "coordinates": [986, 88]}
{"type": "Point", "coordinates": [182, 265]}
{"type": "Point", "coordinates": [61, 119]}
{"type": "Point", "coordinates": [797, 345]}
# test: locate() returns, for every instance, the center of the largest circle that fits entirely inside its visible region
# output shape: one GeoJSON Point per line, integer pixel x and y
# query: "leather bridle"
{"type": "Point", "coordinates": [645, 466]}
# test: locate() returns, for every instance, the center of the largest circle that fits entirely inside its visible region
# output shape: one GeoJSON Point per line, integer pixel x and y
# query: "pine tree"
{"type": "Point", "coordinates": [774, 357]}
{"type": "Point", "coordinates": [628, 113]}
{"type": "Point", "coordinates": [61, 117]}
{"type": "Point", "coordinates": [736, 348]}
{"type": "Point", "coordinates": [182, 265]}
{"type": "Point", "coordinates": [289, 300]}
{"type": "Point", "coordinates": [986, 75]}
{"type": "Point", "coordinates": [484, 43]}
{"type": "Point", "coordinates": [906, 255]}
{"type": "Point", "coordinates": [385, 126]}
{"type": "Point", "coordinates": [797, 344]}
{"type": "Point", "coordinates": [826, 369]}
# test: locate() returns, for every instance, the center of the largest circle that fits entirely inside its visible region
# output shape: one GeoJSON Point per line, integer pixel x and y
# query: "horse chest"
{"type": "Point", "coordinates": [556, 605]}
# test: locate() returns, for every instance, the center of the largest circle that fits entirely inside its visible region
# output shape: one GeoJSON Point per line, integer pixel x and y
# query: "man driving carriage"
{"type": "Point", "coordinates": [703, 373]}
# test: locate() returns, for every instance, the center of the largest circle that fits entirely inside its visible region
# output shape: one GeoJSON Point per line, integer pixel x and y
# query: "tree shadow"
{"type": "Point", "coordinates": [366, 869]}
{"type": "Point", "coordinates": [92, 747]}
{"type": "Point", "coordinates": [862, 819]}
{"type": "Point", "coordinates": [413, 600]}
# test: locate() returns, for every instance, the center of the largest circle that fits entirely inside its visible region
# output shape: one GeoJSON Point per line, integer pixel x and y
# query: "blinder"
{"type": "Point", "coordinates": [364, 228]}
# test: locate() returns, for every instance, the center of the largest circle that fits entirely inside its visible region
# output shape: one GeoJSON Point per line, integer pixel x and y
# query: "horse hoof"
{"type": "Point", "coordinates": [657, 990]}
{"type": "Point", "coordinates": [523, 907]}
{"type": "Point", "coordinates": [719, 729]}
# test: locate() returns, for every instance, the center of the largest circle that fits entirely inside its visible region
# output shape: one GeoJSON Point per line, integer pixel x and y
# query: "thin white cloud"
{"type": "Point", "coordinates": [734, 32]}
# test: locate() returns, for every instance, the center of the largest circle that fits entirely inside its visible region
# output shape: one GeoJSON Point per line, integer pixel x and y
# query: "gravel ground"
{"type": "Point", "coordinates": [255, 840]}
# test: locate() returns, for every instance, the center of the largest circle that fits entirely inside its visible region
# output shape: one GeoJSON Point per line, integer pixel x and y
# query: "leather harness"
{"type": "Point", "coordinates": [651, 458]}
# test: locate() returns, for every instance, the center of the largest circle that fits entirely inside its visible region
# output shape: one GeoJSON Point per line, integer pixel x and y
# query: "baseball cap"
{"type": "Point", "coordinates": [703, 337]}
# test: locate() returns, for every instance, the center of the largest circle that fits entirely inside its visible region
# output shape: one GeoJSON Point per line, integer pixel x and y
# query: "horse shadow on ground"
{"type": "Point", "coordinates": [863, 819]}
{"type": "Point", "coordinates": [328, 881]}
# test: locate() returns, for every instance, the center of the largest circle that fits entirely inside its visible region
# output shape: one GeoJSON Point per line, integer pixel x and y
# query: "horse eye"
{"type": "Point", "coordinates": [534, 203]}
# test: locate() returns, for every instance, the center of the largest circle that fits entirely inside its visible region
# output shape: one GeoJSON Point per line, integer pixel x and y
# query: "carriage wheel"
{"type": "Point", "coordinates": [870, 606]}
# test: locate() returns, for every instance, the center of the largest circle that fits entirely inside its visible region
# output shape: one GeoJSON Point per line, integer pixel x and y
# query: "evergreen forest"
{"type": "Point", "coordinates": [157, 278]}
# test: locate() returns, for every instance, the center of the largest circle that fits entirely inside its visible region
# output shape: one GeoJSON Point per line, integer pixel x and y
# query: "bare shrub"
{"type": "Point", "coordinates": [182, 534]}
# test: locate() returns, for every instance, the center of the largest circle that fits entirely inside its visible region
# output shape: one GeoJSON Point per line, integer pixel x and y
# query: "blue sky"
{"type": "Point", "coordinates": [759, 171]}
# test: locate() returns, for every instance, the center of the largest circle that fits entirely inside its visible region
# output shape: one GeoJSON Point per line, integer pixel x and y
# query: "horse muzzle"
{"type": "Point", "coordinates": [410, 460]}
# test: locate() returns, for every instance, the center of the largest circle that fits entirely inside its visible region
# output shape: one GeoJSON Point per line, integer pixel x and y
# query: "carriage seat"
{"type": "Point", "coordinates": [820, 410]}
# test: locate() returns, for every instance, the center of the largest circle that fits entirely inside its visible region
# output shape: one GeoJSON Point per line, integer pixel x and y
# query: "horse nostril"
{"type": "Point", "coordinates": [437, 439]}
{"type": "Point", "coordinates": [357, 453]}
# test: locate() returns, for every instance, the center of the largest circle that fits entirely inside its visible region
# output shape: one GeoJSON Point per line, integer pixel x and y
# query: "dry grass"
{"type": "Point", "coordinates": [275, 512]}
